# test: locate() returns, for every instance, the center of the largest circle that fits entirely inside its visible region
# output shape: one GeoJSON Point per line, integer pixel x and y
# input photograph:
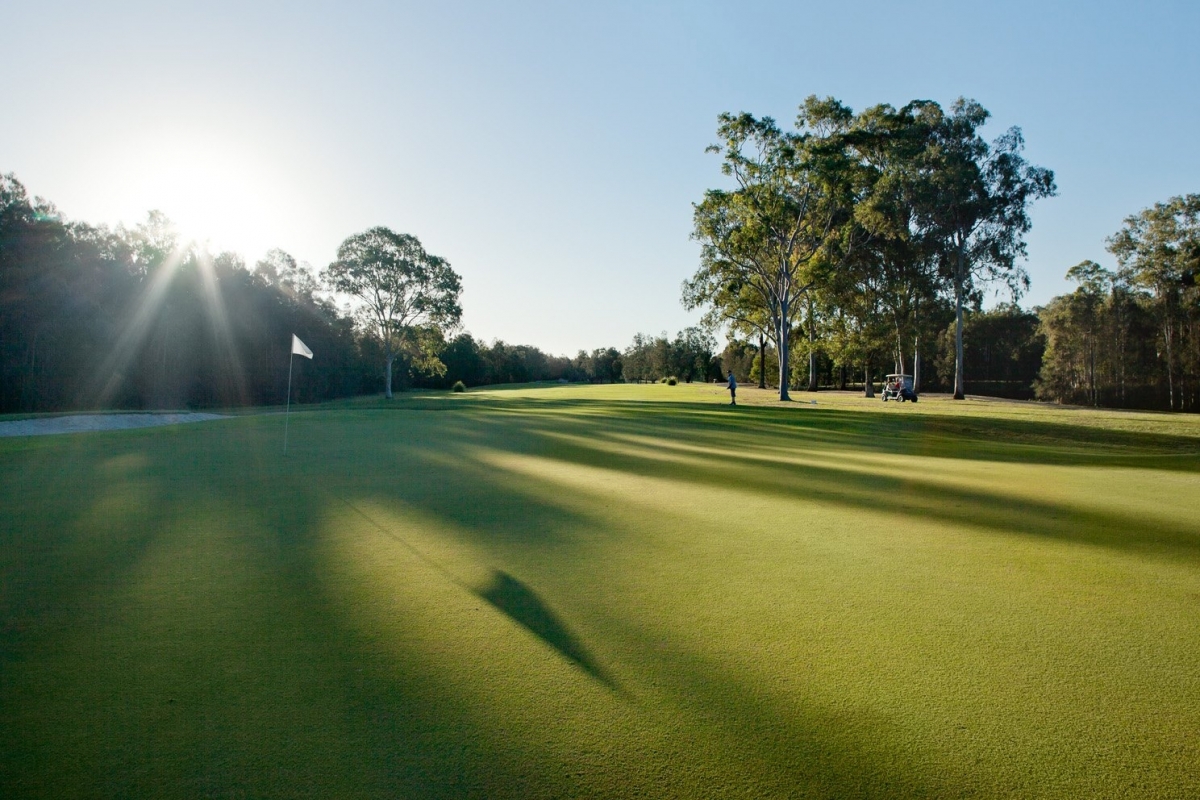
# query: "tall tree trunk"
{"type": "Point", "coordinates": [812, 347]}
{"type": "Point", "coordinates": [842, 377]}
{"type": "Point", "coordinates": [959, 387]}
{"type": "Point", "coordinates": [1092, 371]}
{"type": "Point", "coordinates": [868, 386]}
{"type": "Point", "coordinates": [783, 356]}
{"type": "Point", "coordinates": [762, 360]}
{"type": "Point", "coordinates": [916, 364]}
{"type": "Point", "coordinates": [1170, 369]}
{"type": "Point", "coordinates": [1118, 349]}
{"type": "Point", "coordinates": [388, 385]}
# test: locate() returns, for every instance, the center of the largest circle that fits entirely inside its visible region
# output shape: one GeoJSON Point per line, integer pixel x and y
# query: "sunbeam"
{"type": "Point", "coordinates": [229, 366]}
{"type": "Point", "coordinates": [110, 375]}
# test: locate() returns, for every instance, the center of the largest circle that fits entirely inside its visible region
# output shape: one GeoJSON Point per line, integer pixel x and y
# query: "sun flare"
{"type": "Point", "coordinates": [214, 192]}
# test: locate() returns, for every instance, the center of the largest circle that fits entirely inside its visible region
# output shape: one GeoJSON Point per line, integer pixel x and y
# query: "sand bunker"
{"type": "Point", "coordinates": [82, 423]}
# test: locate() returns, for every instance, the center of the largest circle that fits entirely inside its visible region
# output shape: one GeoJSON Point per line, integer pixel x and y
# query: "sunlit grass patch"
{"type": "Point", "coordinates": [606, 591]}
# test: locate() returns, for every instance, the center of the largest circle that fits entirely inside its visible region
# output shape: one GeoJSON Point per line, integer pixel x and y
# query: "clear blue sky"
{"type": "Point", "coordinates": [552, 151]}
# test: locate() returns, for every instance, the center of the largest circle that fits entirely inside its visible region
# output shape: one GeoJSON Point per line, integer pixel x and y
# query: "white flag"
{"type": "Point", "coordinates": [300, 348]}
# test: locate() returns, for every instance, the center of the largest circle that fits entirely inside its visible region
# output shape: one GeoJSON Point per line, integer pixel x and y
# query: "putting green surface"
{"type": "Point", "coordinates": [606, 591]}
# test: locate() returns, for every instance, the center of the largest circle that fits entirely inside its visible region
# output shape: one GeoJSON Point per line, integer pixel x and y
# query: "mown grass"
{"type": "Point", "coordinates": [606, 591]}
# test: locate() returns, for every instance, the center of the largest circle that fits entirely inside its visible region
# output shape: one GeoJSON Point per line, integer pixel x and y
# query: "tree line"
{"type": "Point", "coordinates": [1130, 337]}
{"type": "Point", "coordinates": [133, 317]}
{"type": "Point", "coordinates": [92, 317]}
{"type": "Point", "coordinates": [1124, 338]}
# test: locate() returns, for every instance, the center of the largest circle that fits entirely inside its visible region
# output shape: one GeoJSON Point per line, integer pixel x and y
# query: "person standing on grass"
{"type": "Point", "coordinates": [732, 389]}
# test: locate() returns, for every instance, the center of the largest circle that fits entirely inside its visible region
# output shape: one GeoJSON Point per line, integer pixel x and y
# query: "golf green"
{"type": "Point", "coordinates": [606, 591]}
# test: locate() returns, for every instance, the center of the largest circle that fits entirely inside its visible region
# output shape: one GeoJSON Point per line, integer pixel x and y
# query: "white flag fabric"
{"type": "Point", "coordinates": [300, 348]}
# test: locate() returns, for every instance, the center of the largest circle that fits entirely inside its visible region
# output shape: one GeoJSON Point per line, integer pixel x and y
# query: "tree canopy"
{"type": "Point", "coordinates": [404, 294]}
{"type": "Point", "coordinates": [860, 221]}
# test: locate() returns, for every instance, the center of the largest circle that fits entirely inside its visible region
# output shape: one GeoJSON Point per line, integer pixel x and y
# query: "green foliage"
{"type": "Point", "coordinates": [852, 226]}
{"type": "Point", "coordinates": [1131, 337]}
{"type": "Point", "coordinates": [689, 356]}
{"type": "Point", "coordinates": [135, 318]}
{"type": "Point", "coordinates": [671, 381]}
{"type": "Point", "coordinates": [407, 297]}
{"type": "Point", "coordinates": [459, 386]}
{"type": "Point", "coordinates": [1100, 343]}
{"type": "Point", "coordinates": [1158, 251]}
{"type": "Point", "coordinates": [1003, 351]}
{"type": "Point", "coordinates": [603, 365]}
{"type": "Point", "coordinates": [739, 357]}
{"type": "Point", "coordinates": [974, 203]}
{"type": "Point", "coordinates": [764, 244]}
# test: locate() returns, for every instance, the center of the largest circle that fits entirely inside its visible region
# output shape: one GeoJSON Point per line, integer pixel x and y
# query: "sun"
{"type": "Point", "coordinates": [215, 190]}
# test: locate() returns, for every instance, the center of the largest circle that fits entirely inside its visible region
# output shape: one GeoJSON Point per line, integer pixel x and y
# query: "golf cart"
{"type": "Point", "coordinates": [899, 387]}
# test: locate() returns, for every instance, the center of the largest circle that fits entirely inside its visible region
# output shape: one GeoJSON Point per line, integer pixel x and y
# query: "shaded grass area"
{"type": "Point", "coordinates": [605, 591]}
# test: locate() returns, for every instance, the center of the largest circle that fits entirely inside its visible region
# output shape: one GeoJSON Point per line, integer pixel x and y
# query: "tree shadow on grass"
{"type": "Point", "coordinates": [88, 521]}
{"type": "Point", "coordinates": [594, 443]}
{"type": "Point", "coordinates": [976, 438]}
{"type": "Point", "coordinates": [521, 604]}
{"type": "Point", "coordinates": [401, 728]}
{"type": "Point", "coordinates": [802, 749]}
{"type": "Point", "coordinates": [813, 750]}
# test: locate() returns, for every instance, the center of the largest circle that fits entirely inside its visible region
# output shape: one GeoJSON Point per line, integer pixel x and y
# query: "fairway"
{"type": "Point", "coordinates": [620, 591]}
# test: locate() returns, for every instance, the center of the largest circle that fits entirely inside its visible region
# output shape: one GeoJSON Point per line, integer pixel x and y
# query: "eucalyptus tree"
{"type": "Point", "coordinates": [404, 293]}
{"type": "Point", "coordinates": [736, 307]}
{"type": "Point", "coordinates": [891, 143]}
{"type": "Point", "coordinates": [859, 331]}
{"type": "Point", "coordinates": [762, 240]}
{"type": "Point", "coordinates": [295, 278]}
{"type": "Point", "coordinates": [974, 202]}
{"type": "Point", "coordinates": [1073, 326]}
{"type": "Point", "coordinates": [1160, 249]}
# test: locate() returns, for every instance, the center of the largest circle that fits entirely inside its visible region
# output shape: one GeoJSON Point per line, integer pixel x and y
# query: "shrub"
{"type": "Point", "coordinates": [458, 386]}
{"type": "Point", "coordinates": [671, 381]}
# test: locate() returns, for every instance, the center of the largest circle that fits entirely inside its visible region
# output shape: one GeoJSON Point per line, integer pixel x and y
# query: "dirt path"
{"type": "Point", "coordinates": [82, 423]}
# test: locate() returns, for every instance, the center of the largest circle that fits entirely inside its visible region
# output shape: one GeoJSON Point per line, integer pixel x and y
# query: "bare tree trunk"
{"type": "Point", "coordinates": [916, 364]}
{"type": "Point", "coordinates": [1092, 373]}
{"type": "Point", "coordinates": [388, 385]}
{"type": "Point", "coordinates": [959, 387]}
{"type": "Point", "coordinates": [762, 360]}
{"type": "Point", "coordinates": [868, 386]}
{"type": "Point", "coordinates": [783, 360]}
{"type": "Point", "coordinates": [842, 377]}
{"type": "Point", "coordinates": [812, 347]}
{"type": "Point", "coordinates": [1170, 369]}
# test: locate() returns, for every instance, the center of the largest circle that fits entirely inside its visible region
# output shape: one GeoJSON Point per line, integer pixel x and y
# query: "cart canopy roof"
{"type": "Point", "coordinates": [898, 375]}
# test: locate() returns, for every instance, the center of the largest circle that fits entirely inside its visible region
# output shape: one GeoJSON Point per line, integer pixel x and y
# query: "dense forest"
{"type": "Point", "coordinates": [1131, 337]}
{"type": "Point", "coordinates": [135, 318]}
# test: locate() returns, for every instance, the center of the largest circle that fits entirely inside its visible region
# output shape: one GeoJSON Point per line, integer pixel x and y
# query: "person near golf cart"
{"type": "Point", "coordinates": [899, 387]}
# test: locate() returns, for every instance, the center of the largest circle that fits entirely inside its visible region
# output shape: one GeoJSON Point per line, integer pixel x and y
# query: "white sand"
{"type": "Point", "coordinates": [82, 423]}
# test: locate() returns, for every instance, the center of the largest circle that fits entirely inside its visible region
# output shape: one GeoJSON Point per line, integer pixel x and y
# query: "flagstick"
{"type": "Point", "coordinates": [287, 415]}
